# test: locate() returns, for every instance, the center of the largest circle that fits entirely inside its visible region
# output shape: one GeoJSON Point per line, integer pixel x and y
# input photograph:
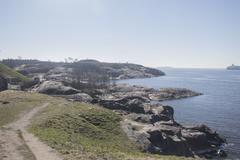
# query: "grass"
{"type": "Point", "coordinates": [18, 103]}
{"type": "Point", "coordinates": [76, 130]}
{"type": "Point", "coordinates": [83, 130]}
{"type": "Point", "coordinates": [8, 72]}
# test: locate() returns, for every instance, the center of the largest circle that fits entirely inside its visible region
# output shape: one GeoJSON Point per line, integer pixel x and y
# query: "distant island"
{"type": "Point", "coordinates": [233, 67]}
{"type": "Point", "coordinates": [164, 67]}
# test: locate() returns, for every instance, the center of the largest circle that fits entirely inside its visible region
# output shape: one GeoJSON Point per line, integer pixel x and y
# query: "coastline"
{"type": "Point", "coordinates": [153, 127]}
{"type": "Point", "coordinates": [218, 107]}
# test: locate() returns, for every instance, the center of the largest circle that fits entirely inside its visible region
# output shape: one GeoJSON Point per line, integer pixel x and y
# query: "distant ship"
{"type": "Point", "coordinates": [233, 67]}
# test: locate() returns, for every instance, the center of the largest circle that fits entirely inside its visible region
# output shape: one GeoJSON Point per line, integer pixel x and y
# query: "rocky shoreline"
{"type": "Point", "coordinates": [156, 131]}
{"type": "Point", "coordinates": [119, 91]}
{"type": "Point", "coordinates": [151, 125]}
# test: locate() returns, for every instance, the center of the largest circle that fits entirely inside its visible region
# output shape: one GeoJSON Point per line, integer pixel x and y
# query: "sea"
{"type": "Point", "coordinates": [218, 107]}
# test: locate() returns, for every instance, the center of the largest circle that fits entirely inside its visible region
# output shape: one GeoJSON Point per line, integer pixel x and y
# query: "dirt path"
{"type": "Point", "coordinates": [17, 144]}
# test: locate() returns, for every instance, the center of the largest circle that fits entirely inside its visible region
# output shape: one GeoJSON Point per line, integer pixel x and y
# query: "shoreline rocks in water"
{"type": "Point", "coordinates": [152, 126]}
{"type": "Point", "coordinates": [156, 131]}
{"type": "Point", "coordinates": [120, 91]}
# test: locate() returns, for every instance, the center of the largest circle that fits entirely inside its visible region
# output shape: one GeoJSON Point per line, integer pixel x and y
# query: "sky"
{"type": "Point", "coordinates": [176, 33]}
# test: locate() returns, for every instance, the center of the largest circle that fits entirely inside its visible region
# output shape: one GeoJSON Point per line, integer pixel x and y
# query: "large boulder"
{"type": "Point", "coordinates": [144, 118]}
{"type": "Point", "coordinates": [166, 141]}
{"type": "Point", "coordinates": [171, 93]}
{"type": "Point", "coordinates": [201, 137]}
{"type": "Point", "coordinates": [135, 132]}
{"type": "Point", "coordinates": [165, 112]}
{"type": "Point", "coordinates": [130, 104]}
{"type": "Point", "coordinates": [157, 139]}
{"type": "Point", "coordinates": [81, 97]}
{"type": "Point", "coordinates": [153, 113]}
{"type": "Point", "coordinates": [55, 88]}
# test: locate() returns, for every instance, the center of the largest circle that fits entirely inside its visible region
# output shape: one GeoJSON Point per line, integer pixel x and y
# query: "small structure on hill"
{"type": "Point", "coordinates": [3, 83]}
{"type": "Point", "coordinates": [7, 82]}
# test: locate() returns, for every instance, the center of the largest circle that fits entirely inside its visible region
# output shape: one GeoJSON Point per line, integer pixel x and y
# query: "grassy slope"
{"type": "Point", "coordinates": [19, 102]}
{"type": "Point", "coordinates": [77, 130]}
{"type": "Point", "coordinates": [6, 71]}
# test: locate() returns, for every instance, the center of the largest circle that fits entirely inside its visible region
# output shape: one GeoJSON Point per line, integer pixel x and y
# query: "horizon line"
{"type": "Point", "coordinates": [159, 67]}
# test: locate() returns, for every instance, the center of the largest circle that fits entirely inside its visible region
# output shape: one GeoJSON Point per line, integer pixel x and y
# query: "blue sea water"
{"type": "Point", "coordinates": [218, 107]}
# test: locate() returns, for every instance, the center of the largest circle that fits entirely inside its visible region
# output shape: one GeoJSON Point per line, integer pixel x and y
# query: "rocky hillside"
{"type": "Point", "coordinates": [117, 70]}
{"type": "Point", "coordinates": [82, 70]}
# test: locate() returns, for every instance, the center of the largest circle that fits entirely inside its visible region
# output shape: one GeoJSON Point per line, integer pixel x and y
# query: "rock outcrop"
{"type": "Point", "coordinates": [60, 90]}
{"type": "Point", "coordinates": [156, 131]}
{"type": "Point", "coordinates": [152, 126]}
{"type": "Point", "coordinates": [120, 91]}
{"type": "Point", "coordinates": [172, 93]}
{"type": "Point", "coordinates": [55, 88]}
{"type": "Point", "coordinates": [81, 97]}
{"type": "Point", "coordinates": [131, 104]}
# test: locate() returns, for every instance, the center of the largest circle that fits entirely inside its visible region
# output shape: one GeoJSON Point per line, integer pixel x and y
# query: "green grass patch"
{"type": "Point", "coordinates": [8, 72]}
{"type": "Point", "coordinates": [17, 103]}
{"type": "Point", "coordinates": [83, 130]}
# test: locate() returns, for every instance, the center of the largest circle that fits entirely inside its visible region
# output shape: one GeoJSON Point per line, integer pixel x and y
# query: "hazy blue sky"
{"type": "Point", "coordinates": [179, 33]}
